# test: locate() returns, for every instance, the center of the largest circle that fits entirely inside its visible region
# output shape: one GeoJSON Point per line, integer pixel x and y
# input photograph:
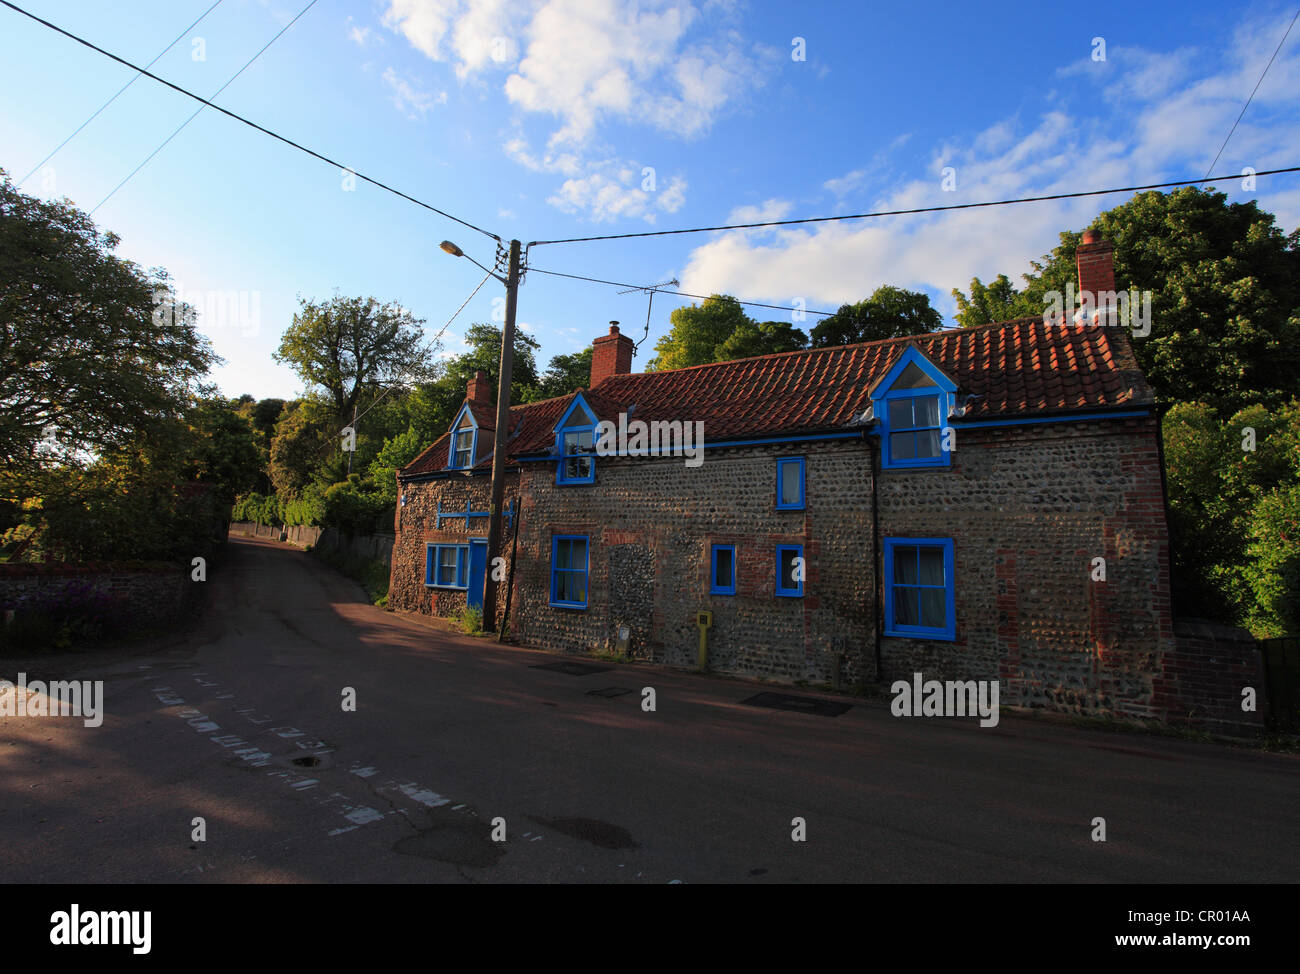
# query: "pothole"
{"type": "Point", "coordinates": [591, 830]}
{"type": "Point", "coordinates": [462, 843]}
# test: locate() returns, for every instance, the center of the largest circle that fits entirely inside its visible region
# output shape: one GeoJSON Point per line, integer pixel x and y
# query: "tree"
{"type": "Point", "coordinates": [697, 332]}
{"type": "Point", "coordinates": [303, 440]}
{"type": "Point", "coordinates": [1233, 488]}
{"type": "Point", "coordinates": [92, 348]}
{"type": "Point", "coordinates": [1225, 288]}
{"type": "Point", "coordinates": [999, 301]}
{"type": "Point", "coordinates": [890, 312]}
{"type": "Point", "coordinates": [484, 355]}
{"type": "Point", "coordinates": [348, 345]}
{"type": "Point", "coordinates": [751, 339]}
{"type": "Point", "coordinates": [565, 373]}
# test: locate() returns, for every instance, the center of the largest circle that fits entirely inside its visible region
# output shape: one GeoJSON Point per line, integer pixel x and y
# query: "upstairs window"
{"type": "Point", "coordinates": [464, 442]}
{"type": "Point", "coordinates": [575, 440]}
{"type": "Point", "coordinates": [789, 484]}
{"type": "Point", "coordinates": [914, 429]}
{"type": "Point", "coordinates": [912, 402]}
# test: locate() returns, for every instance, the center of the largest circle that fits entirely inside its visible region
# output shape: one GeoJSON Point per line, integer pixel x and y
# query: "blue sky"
{"type": "Point", "coordinates": [539, 119]}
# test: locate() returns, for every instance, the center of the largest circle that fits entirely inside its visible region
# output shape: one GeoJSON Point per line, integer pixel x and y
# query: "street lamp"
{"type": "Point", "coordinates": [511, 281]}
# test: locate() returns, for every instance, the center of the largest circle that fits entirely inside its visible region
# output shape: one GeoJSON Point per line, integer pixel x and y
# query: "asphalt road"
{"type": "Point", "coordinates": [451, 733]}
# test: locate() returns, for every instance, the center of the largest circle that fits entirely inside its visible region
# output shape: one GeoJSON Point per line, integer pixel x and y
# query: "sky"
{"type": "Point", "coordinates": [547, 119]}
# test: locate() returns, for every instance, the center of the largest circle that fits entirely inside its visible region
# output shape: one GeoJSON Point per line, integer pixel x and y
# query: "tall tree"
{"type": "Point", "coordinates": [565, 373]}
{"type": "Point", "coordinates": [890, 312]}
{"type": "Point", "coordinates": [346, 346]}
{"type": "Point", "coordinates": [751, 339]}
{"type": "Point", "coordinates": [92, 348]}
{"type": "Point", "coordinates": [1225, 288]}
{"type": "Point", "coordinates": [697, 332]}
{"type": "Point", "coordinates": [998, 301]}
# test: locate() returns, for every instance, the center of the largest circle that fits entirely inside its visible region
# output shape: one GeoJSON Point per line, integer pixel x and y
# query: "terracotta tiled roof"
{"type": "Point", "coordinates": [1012, 369]}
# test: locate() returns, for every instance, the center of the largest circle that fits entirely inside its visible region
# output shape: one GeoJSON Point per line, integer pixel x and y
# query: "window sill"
{"type": "Point", "coordinates": [942, 635]}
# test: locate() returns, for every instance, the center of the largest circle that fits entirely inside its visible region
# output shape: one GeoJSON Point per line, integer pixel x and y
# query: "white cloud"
{"type": "Point", "coordinates": [362, 36]}
{"type": "Point", "coordinates": [659, 64]}
{"type": "Point", "coordinates": [413, 102]}
{"type": "Point", "coordinates": [1166, 128]}
{"type": "Point", "coordinates": [583, 61]}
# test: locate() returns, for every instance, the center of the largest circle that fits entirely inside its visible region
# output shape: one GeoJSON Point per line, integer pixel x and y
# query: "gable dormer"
{"type": "Point", "coordinates": [575, 443]}
{"type": "Point", "coordinates": [911, 403]}
{"type": "Point", "coordinates": [462, 449]}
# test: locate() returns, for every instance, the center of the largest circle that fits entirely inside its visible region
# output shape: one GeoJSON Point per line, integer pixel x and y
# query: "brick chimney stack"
{"type": "Point", "coordinates": [480, 390]}
{"type": "Point", "coordinates": [1096, 262]}
{"type": "Point", "coordinates": [610, 355]}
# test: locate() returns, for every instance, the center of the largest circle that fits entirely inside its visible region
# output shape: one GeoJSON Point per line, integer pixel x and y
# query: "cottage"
{"type": "Point", "coordinates": [974, 504]}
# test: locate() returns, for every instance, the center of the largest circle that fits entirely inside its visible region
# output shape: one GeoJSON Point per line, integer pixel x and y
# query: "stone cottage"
{"type": "Point", "coordinates": [982, 503]}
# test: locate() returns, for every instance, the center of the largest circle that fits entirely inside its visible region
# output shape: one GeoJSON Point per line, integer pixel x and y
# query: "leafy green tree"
{"type": "Point", "coordinates": [347, 346]}
{"type": "Point", "coordinates": [697, 331]}
{"type": "Point", "coordinates": [997, 301]}
{"type": "Point", "coordinates": [304, 439]}
{"type": "Point", "coordinates": [397, 452]}
{"type": "Point", "coordinates": [751, 339]}
{"type": "Point", "coordinates": [890, 312]}
{"type": "Point", "coordinates": [1225, 286]}
{"type": "Point", "coordinates": [1231, 501]}
{"type": "Point", "coordinates": [224, 453]}
{"type": "Point", "coordinates": [92, 348]}
{"type": "Point", "coordinates": [565, 373]}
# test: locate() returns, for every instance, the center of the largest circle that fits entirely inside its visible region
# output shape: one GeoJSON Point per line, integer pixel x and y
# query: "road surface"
{"type": "Point", "coordinates": [242, 724]}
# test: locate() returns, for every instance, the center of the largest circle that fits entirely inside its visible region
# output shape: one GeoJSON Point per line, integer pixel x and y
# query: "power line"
{"type": "Point", "coordinates": [134, 79]}
{"type": "Point", "coordinates": [1252, 94]}
{"type": "Point", "coordinates": [683, 294]}
{"type": "Point", "coordinates": [919, 209]}
{"type": "Point", "coordinates": [240, 118]}
{"type": "Point", "coordinates": [177, 132]}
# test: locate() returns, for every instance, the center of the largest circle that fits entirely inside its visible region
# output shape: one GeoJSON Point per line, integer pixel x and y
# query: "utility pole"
{"type": "Point", "coordinates": [499, 442]}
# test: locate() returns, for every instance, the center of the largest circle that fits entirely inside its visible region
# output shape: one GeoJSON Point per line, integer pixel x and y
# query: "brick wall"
{"type": "Point", "coordinates": [146, 594]}
{"type": "Point", "coordinates": [1029, 508]}
{"type": "Point", "coordinates": [1200, 683]}
{"type": "Point", "coordinates": [416, 524]}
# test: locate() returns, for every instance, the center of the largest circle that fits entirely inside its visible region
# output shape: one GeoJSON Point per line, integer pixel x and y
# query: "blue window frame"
{"type": "Point", "coordinates": [915, 433]}
{"type": "Point", "coordinates": [791, 570]}
{"type": "Point", "coordinates": [445, 565]}
{"type": "Point", "coordinates": [722, 570]}
{"type": "Point", "coordinates": [920, 577]}
{"type": "Point", "coordinates": [575, 442]}
{"type": "Point", "coordinates": [569, 564]}
{"type": "Point", "coordinates": [912, 402]}
{"type": "Point", "coordinates": [789, 484]}
{"type": "Point", "coordinates": [463, 447]}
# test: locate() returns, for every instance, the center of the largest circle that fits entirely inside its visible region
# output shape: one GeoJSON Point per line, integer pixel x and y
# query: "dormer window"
{"type": "Point", "coordinates": [575, 441]}
{"type": "Point", "coordinates": [464, 442]}
{"type": "Point", "coordinates": [912, 403]}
